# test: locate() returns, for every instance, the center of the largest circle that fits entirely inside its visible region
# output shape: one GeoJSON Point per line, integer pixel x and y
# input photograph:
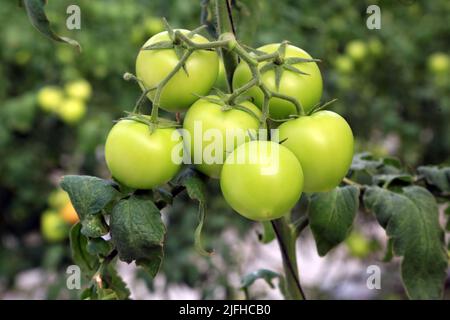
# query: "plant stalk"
{"type": "Point", "coordinates": [287, 241]}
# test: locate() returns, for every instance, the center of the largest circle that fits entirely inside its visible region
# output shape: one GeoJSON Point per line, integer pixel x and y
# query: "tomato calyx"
{"type": "Point", "coordinates": [279, 63]}
{"type": "Point", "coordinates": [228, 103]}
{"type": "Point", "coordinates": [161, 123]}
{"type": "Point", "coordinates": [179, 42]}
{"type": "Point", "coordinates": [319, 106]}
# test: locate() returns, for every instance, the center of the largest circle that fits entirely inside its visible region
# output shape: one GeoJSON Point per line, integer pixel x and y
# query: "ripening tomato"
{"type": "Point", "coordinates": [69, 214]}
{"type": "Point", "coordinates": [140, 159]}
{"type": "Point", "coordinates": [214, 132]}
{"type": "Point", "coordinates": [261, 180]}
{"type": "Point", "coordinates": [307, 89]}
{"type": "Point", "coordinates": [152, 66]}
{"type": "Point", "coordinates": [323, 143]}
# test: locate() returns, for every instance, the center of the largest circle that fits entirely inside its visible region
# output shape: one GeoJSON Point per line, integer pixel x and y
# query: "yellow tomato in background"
{"type": "Point", "coordinates": [50, 98]}
{"type": "Point", "coordinates": [79, 89]}
{"type": "Point", "coordinates": [69, 214]}
{"type": "Point", "coordinates": [72, 110]}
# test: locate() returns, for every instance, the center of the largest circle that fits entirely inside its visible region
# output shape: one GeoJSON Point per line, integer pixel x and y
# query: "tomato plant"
{"type": "Point", "coordinates": [308, 177]}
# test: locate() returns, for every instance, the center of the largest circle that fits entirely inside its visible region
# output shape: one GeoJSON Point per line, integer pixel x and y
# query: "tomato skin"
{"type": "Point", "coordinates": [152, 66]}
{"type": "Point", "coordinates": [211, 116]}
{"type": "Point", "coordinates": [307, 89]}
{"type": "Point", "coordinates": [69, 214]}
{"type": "Point", "coordinates": [323, 143]}
{"type": "Point", "coordinates": [256, 190]}
{"type": "Point", "coordinates": [71, 110]}
{"type": "Point", "coordinates": [138, 158]}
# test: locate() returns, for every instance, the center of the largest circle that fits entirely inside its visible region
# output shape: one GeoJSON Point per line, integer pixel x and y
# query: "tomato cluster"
{"type": "Point", "coordinates": [261, 178]}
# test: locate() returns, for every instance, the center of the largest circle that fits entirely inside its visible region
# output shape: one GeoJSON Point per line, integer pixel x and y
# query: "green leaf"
{"type": "Point", "coordinates": [115, 283]}
{"type": "Point", "coordinates": [99, 246]}
{"type": "Point", "coordinates": [365, 161]}
{"type": "Point", "coordinates": [331, 216]}
{"type": "Point", "coordinates": [389, 254]}
{"type": "Point", "coordinates": [78, 243]}
{"type": "Point", "coordinates": [266, 275]}
{"type": "Point", "coordinates": [411, 220]}
{"type": "Point", "coordinates": [37, 17]}
{"type": "Point", "coordinates": [94, 226]}
{"type": "Point", "coordinates": [153, 261]}
{"type": "Point", "coordinates": [438, 177]}
{"type": "Point", "coordinates": [268, 234]}
{"type": "Point", "coordinates": [137, 232]}
{"type": "Point", "coordinates": [89, 195]}
{"type": "Point", "coordinates": [195, 188]}
{"type": "Point", "coordinates": [387, 179]}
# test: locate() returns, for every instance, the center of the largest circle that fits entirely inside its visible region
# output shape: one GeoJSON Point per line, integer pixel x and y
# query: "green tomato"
{"type": "Point", "coordinates": [358, 245]}
{"type": "Point", "coordinates": [307, 89]}
{"type": "Point", "coordinates": [357, 50]}
{"type": "Point", "coordinates": [439, 63]}
{"type": "Point", "coordinates": [58, 199]}
{"type": "Point", "coordinates": [53, 226]}
{"type": "Point", "coordinates": [261, 180]}
{"type": "Point", "coordinates": [153, 25]}
{"type": "Point", "coordinates": [79, 89]}
{"type": "Point", "coordinates": [71, 110]}
{"type": "Point", "coordinates": [49, 98]}
{"type": "Point", "coordinates": [140, 159]}
{"type": "Point", "coordinates": [323, 143]}
{"type": "Point", "coordinates": [344, 64]}
{"type": "Point", "coordinates": [214, 132]}
{"type": "Point", "coordinates": [152, 66]}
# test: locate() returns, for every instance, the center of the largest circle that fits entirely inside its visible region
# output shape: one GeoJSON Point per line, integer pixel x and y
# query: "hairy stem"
{"type": "Point", "coordinates": [287, 242]}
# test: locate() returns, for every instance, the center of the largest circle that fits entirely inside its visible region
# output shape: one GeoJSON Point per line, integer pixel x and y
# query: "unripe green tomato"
{"type": "Point", "coordinates": [153, 25]}
{"type": "Point", "coordinates": [152, 66]}
{"type": "Point", "coordinates": [307, 89]}
{"type": "Point", "coordinates": [58, 199]}
{"type": "Point", "coordinates": [375, 47]}
{"type": "Point", "coordinates": [207, 125]}
{"type": "Point", "coordinates": [53, 226]}
{"type": "Point", "coordinates": [357, 50]}
{"type": "Point", "coordinates": [344, 64]}
{"type": "Point", "coordinates": [323, 143]}
{"type": "Point", "coordinates": [439, 63]}
{"type": "Point", "coordinates": [50, 98]}
{"type": "Point", "coordinates": [71, 110]}
{"type": "Point", "coordinates": [358, 245]}
{"type": "Point", "coordinates": [140, 159]}
{"type": "Point", "coordinates": [79, 89]}
{"type": "Point", "coordinates": [261, 180]}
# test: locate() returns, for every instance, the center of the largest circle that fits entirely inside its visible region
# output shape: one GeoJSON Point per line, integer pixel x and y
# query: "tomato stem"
{"type": "Point", "coordinates": [286, 237]}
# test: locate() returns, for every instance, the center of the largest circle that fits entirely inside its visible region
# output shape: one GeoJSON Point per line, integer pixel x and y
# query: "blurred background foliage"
{"type": "Point", "coordinates": [56, 107]}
